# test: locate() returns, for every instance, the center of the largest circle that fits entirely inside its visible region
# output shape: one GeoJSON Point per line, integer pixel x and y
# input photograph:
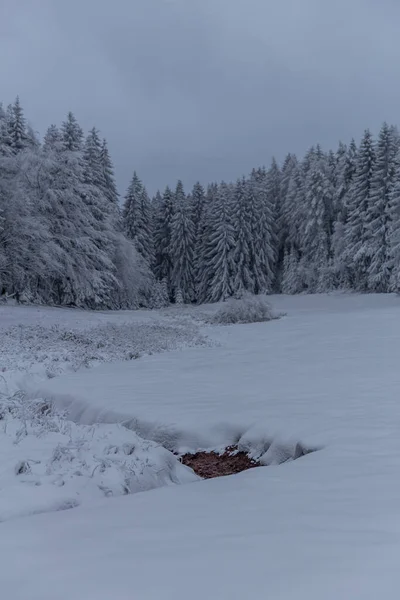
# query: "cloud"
{"type": "Point", "coordinates": [203, 89]}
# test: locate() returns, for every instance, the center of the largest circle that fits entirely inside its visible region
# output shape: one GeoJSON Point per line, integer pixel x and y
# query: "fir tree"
{"type": "Point", "coordinates": [357, 254]}
{"type": "Point", "coordinates": [378, 211]}
{"type": "Point", "coordinates": [263, 190]}
{"type": "Point", "coordinates": [92, 158]}
{"type": "Point", "coordinates": [242, 276]}
{"type": "Point", "coordinates": [108, 177]}
{"type": "Point", "coordinates": [53, 139]}
{"type": "Point", "coordinates": [393, 234]}
{"type": "Point", "coordinates": [346, 167]}
{"type": "Point", "coordinates": [17, 127]}
{"type": "Point", "coordinates": [164, 213]}
{"type": "Point", "coordinates": [219, 251]}
{"type": "Point", "coordinates": [315, 237]}
{"type": "Point", "coordinates": [137, 218]}
{"type": "Point", "coordinates": [202, 274]}
{"type": "Point", "coordinates": [72, 133]}
{"type": "Point", "coordinates": [181, 249]}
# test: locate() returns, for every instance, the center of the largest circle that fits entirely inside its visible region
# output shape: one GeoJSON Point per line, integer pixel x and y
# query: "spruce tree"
{"type": "Point", "coordinates": [242, 279]}
{"type": "Point", "coordinates": [92, 158]}
{"type": "Point", "coordinates": [357, 253]}
{"type": "Point", "coordinates": [108, 176]}
{"type": "Point", "coordinates": [219, 251]}
{"type": "Point", "coordinates": [289, 165]}
{"type": "Point", "coordinates": [17, 127]}
{"type": "Point", "coordinates": [378, 211]}
{"type": "Point", "coordinates": [315, 235]}
{"type": "Point", "coordinates": [181, 249]}
{"type": "Point", "coordinates": [164, 213]}
{"type": "Point", "coordinates": [263, 189]}
{"type": "Point", "coordinates": [393, 234]}
{"type": "Point", "coordinates": [137, 218]}
{"type": "Point", "coordinates": [203, 276]}
{"type": "Point", "coordinates": [346, 168]}
{"type": "Point", "coordinates": [72, 134]}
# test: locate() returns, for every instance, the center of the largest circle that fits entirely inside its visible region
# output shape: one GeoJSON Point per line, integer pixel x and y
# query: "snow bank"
{"type": "Point", "coordinates": [49, 463]}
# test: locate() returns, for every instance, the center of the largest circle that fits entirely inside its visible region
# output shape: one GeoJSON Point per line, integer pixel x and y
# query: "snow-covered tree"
{"type": "Point", "coordinates": [72, 133]}
{"type": "Point", "coordinates": [263, 190]}
{"type": "Point", "coordinates": [164, 212]}
{"type": "Point", "coordinates": [92, 159]}
{"type": "Point", "coordinates": [346, 168]}
{"type": "Point", "coordinates": [292, 279]}
{"type": "Point", "coordinates": [108, 176]}
{"type": "Point", "coordinates": [393, 233]}
{"type": "Point", "coordinates": [137, 218]}
{"type": "Point", "coordinates": [243, 276]}
{"type": "Point", "coordinates": [315, 233]}
{"type": "Point", "coordinates": [181, 248]}
{"type": "Point", "coordinates": [379, 209]}
{"type": "Point", "coordinates": [357, 252]}
{"type": "Point", "coordinates": [202, 274]}
{"type": "Point", "coordinates": [218, 255]}
{"type": "Point", "coordinates": [17, 127]}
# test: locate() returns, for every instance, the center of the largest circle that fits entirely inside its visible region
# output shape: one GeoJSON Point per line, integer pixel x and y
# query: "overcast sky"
{"type": "Point", "coordinates": [204, 89]}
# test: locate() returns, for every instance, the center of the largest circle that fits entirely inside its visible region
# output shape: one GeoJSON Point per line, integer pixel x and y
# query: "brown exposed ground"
{"type": "Point", "coordinates": [210, 464]}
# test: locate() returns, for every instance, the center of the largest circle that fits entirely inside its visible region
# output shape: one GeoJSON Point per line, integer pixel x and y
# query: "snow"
{"type": "Point", "coordinates": [49, 463]}
{"type": "Point", "coordinates": [51, 341]}
{"type": "Point", "coordinates": [325, 526]}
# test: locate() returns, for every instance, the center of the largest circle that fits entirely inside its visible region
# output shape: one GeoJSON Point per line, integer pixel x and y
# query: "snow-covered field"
{"type": "Point", "coordinates": [326, 526]}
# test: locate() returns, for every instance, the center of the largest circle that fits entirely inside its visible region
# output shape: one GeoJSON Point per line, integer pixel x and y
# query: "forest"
{"type": "Point", "coordinates": [327, 221]}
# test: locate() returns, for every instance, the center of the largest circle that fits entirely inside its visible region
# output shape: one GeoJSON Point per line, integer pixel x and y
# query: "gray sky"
{"type": "Point", "coordinates": [203, 89]}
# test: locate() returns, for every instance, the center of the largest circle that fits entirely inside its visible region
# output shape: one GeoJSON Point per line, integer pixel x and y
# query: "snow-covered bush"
{"type": "Point", "coordinates": [58, 349]}
{"type": "Point", "coordinates": [248, 309]}
{"type": "Point", "coordinates": [49, 463]}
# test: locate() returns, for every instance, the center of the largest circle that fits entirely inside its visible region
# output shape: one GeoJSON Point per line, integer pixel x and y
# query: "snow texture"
{"type": "Point", "coordinates": [49, 463]}
{"type": "Point", "coordinates": [325, 526]}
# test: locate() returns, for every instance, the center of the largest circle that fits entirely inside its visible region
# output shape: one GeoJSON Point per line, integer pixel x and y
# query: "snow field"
{"type": "Point", "coordinates": [50, 463]}
{"type": "Point", "coordinates": [323, 527]}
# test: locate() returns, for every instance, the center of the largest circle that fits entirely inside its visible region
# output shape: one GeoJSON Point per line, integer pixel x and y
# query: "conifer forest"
{"type": "Point", "coordinates": [329, 220]}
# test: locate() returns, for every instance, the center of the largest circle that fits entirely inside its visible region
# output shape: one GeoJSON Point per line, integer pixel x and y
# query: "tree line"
{"type": "Point", "coordinates": [330, 220]}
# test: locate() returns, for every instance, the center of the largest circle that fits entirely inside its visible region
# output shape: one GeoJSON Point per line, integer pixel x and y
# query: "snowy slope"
{"type": "Point", "coordinates": [324, 527]}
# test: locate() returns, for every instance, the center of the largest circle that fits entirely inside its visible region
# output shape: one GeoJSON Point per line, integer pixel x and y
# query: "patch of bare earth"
{"type": "Point", "coordinates": [211, 464]}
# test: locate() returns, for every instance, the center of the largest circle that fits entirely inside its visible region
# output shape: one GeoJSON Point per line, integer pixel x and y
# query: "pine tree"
{"type": "Point", "coordinates": [92, 158]}
{"type": "Point", "coordinates": [53, 139]}
{"type": "Point", "coordinates": [5, 141]}
{"type": "Point", "coordinates": [242, 276]}
{"type": "Point", "coordinates": [291, 280]}
{"type": "Point", "coordinates": [315, 235]}
{"type": "Point", "coordinates": [17, 127]}
{"type": "Point", "coordinates": [378, 212]}
{"type": "Point", "coordinates": [198, 203]}
{"type": "Point", "coordinates": [203, 276]}
{"type": "Point", "coordinates": [357, 254]}
{"type": "Point", "coordinates": [263, 190]}
{"type": "Point", "coordinates": [294, 213]}
{"type": "Point", "coordinates": [181, 249]}
{"type": "Point", "coordinates": [137, 217]}
{"type": "Point", "coordinates": [289, 165]}
{"type": "Point", "coordinates": [219, 250]}
{"type": "Point", "coordinates": [72, 133]}
{"type": "Point", "coordinates": [164, 213]}
{"type": "Point", "coordinates": [110, 187]}
{"type": "Point", "coordinates": [393, 234]}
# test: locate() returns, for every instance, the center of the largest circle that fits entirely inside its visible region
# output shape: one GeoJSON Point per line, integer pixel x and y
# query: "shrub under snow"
{"type": "Point", "coordinates": [248, 309]}
{"type": "Point", "coordinates": [58, 349]}
{"type": "Point", "coordinates": [49, 463]}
